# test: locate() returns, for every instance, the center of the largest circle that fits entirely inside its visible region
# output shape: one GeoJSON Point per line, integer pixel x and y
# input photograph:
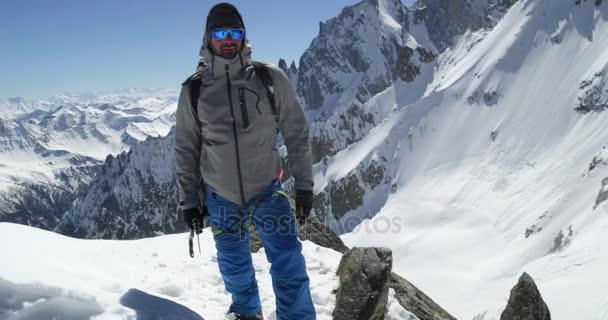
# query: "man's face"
{"type": "Point", "coordinates": [228, 47]}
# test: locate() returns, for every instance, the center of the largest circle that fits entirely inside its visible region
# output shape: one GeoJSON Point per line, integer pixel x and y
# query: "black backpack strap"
{"type": "Point", "coordinates": [194, 88]}
{"type": "Point", "coordinates": [195, 93]}
{"type": "Point", "coordinates": [262, 71]}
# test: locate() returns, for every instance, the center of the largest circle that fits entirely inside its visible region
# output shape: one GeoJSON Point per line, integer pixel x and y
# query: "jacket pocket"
{"type": "Point", "coordinates": [248, 100]}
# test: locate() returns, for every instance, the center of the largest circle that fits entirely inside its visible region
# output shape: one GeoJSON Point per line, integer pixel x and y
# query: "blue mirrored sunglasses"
{"type": "Point", "coordinates": [222, 34]}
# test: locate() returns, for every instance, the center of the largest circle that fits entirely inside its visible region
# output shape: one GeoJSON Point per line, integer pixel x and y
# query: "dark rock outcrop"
{"type": "Point", "coordinates": [321, 235]}
{"type": "Point", "coordinates": [595, 94]}
{"type": "Point", "coordinates": [283, 65]}
{"type": "Point", "coordinates": [489, 98]}
{"type": "Point", "coordinates": [603, 195]}
{"type": "Point", "coordinates": [364, 283]}
{"type": "Point", "coordinates": [525, 302]}
{"type": "Point", "coordinates": [597, 2]}
{"type": "Point", "coordinates": [346, 195]}
{"type": "Point", "coordinates": [415, 301]}
{"type": "Point", "coordinates": [446, 19]}
{"type": "Point", "coordinates": [562, 240]}
{"type": "Point", "coordinates": [348, 126]}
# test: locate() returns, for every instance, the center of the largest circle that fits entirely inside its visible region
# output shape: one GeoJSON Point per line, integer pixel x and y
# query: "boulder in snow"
{"type": "Point", "coordinates": [415, 301]}
{"type": "Point", "coordinates": [525, 302]}
{"type": "Point", "coordinates": [364, 281]}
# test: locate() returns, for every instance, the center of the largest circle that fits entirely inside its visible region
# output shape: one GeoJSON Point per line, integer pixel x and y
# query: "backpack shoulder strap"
{"type": "Point", "coordinates": [194, 90]}
{"type": "Point", "coordinates": [262, 71]}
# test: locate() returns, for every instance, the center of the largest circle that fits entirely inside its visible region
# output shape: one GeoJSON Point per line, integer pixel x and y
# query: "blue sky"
{"type": "Point", "coordinates": [53, 46]}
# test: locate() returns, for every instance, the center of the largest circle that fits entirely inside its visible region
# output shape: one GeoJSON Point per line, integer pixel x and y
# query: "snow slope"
{"type": "Point", "coordinates": [493, 172]}
{"type": "Point", "coordinates": [114, 279]}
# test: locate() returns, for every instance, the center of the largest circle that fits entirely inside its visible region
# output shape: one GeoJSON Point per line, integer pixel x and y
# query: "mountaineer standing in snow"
{"type": "Point", "coordinates": [228, 116]}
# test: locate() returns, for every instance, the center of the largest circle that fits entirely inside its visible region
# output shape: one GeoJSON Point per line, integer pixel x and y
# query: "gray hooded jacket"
{"type": "Point", "coordinates": [232, 146]}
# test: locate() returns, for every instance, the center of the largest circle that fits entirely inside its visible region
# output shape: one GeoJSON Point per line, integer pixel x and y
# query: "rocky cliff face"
{"type": "Point", "coordinates": [133, 196]}
{"type": "Point", "coordinates": [43, 204]}
{"type": "Point", "coordinates": [358, 54]}
{"type": "Point", "coordinates": [446, 19]}
{"type": "Point", "coordinates": [594, 93]}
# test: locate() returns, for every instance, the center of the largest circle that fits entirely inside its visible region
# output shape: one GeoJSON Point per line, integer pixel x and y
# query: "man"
{"type": "Point", "coordinates": [228, 164]}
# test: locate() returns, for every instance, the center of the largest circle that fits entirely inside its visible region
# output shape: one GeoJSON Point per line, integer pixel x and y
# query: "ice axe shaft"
{"type": "Point", "coordinates": [199, 244]}
{"type": "Point", "coordinates": [190, 244]}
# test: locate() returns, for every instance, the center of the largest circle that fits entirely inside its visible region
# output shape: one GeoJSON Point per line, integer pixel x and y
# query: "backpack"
{"type": "Point", "coordinates": [260, 69]}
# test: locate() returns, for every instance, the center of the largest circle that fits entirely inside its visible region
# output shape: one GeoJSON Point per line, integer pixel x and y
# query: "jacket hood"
{"type": "Point", "coordinates": [215, 64]}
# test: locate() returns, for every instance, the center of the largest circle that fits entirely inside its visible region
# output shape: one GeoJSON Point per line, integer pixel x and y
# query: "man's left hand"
{"type": "Point", "coordinates": [303, 205]}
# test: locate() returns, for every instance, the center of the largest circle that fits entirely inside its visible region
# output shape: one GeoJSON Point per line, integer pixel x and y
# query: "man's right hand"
{"type": "Point", "coordinates": [193, 217]}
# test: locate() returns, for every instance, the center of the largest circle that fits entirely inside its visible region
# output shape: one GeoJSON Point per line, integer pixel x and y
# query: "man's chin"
{"type": "Point", "coordinates": [229, 54]}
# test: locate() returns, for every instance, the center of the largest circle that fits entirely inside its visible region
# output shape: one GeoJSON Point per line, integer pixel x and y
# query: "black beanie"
{"type": "Point", "coordinates": [224, 15]}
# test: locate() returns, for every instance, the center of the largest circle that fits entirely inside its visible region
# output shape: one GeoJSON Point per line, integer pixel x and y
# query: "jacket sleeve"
{"type": "Point", "coordinates": [295, 130]}
{"type": "Point", "coordinates": [188, 139]}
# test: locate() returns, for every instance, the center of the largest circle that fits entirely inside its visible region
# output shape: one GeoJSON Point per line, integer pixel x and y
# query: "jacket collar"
{"type": "Point", "coordinates": [213, 66]}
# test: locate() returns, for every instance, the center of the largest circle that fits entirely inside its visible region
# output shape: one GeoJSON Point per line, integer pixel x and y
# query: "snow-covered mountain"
{"type": "Point", "coordinates": [356, 55]}
{"type": "Point", "coordinates": [134, 195]}
{"type": "Point", "coordinates": [367, 48]}
{"type": "Point", "coordinates": [50, 149]}
{"type": "Point", "coordinates": [500, 168]}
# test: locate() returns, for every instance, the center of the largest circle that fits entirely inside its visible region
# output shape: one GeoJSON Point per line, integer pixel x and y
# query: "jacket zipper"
{"type": "Point", "coordinates": [236, 139]}
{"type": "Point", "coordinates": [243, 105]}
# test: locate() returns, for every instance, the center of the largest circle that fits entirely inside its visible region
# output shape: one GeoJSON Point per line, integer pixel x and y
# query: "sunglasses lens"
{"type": "Point", "coordinates": [220, 34]}
{"type": "Point", "coordinates": [237, 34]}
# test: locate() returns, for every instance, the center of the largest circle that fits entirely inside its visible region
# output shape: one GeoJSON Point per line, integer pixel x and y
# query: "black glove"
{"type": "Point", "coordinates": [193, 217]}
{"type": "Point", "coordinates": [303, 205]}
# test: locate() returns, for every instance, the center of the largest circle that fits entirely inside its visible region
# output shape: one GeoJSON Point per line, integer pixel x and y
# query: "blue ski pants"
{"type": "Point", "coordinates": [270, 212]}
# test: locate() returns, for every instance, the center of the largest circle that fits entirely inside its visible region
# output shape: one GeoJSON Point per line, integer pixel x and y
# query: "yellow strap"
{"type": "Point", "coordinates": [283, 193]}
{"type": "Point", "coordinates": [292, 202]}
{"type": "Point", "coordinates": [216, 231]}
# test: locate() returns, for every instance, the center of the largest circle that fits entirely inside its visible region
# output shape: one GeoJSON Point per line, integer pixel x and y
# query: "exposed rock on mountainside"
{"type": "Point", "coordinates": [415, 301]}
{"type": "Point", "coordinates": [344, 61]}
{"type": "Point", "coordinates": [364, 281]}
{"type": "Point", "coordinates": [133, 196]}
{"type": "Point", "coordinates": [525, 302]}
{"type": "Point", "coordinates": [603, 194]}
{"type": "Point", "coordinates": [445, 19]}
{"type": "Point", "coordinates": [594, 96]}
